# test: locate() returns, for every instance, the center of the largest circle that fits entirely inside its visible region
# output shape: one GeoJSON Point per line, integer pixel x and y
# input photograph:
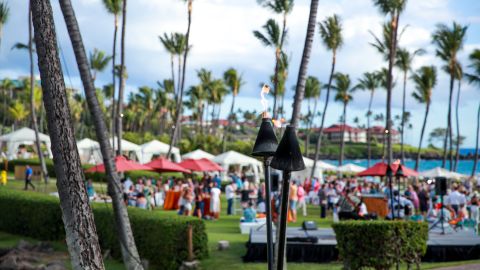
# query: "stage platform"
{"type": "Point", "coordinates": [453, 246]}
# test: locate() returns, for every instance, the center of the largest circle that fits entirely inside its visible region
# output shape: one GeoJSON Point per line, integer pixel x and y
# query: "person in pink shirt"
{"type": "Point", "coordinates": [301, 200]}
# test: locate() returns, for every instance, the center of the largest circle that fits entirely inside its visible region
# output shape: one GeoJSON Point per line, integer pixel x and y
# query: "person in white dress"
{"type": "Point", "coordinates": [215, 201]}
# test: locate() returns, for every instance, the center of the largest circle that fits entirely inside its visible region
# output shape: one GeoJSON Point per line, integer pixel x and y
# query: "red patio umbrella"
{"type": "Point", "coordinates": [380, 169]}
{"type": "Point", "coordinates": [165, 165]}
{"type": "Point", "coordinates": [201, 165]}
{"type": "Point", "coordinates": [122, 164]}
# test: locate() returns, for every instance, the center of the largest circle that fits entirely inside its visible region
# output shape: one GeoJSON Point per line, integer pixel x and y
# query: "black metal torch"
{"type": "Point", "coordinates": [287, 158]}
{"type": "Point", "coordinates": [390, 187]}
{"type": "Point", "coordinates": [265, 146]}
{"type": "Point", "coordinates": [399, 174]}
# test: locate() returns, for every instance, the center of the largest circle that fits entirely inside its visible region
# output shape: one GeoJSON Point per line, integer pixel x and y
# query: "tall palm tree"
{"type": "Point", "coordinates": [169, 45]}
{"type": "Point", "coordinates": [312, 91]}
{"type": "Point", "coordinates": [80, 232]}
{"type": "Point", "coordinates": [179, 46]}
{"type": "Point", "coordinates": [404, 62]}
{"type": "Point", "coordinates": [4, 15]}
{"type": "Point", "coordinates": [272, 38]}
{"type": "Point", "coordinates": [370, 81]}
{"type": "Point", "coordinates": [113, 7]}
{"type": "Point", "coordinates": [283, 7]}
{"type": "Point", "coordinates": [233, 81]}
{"type": "Point", "coordinates": [449, 42]}
{"type": "Point", "coordinates": [163, 102]}
{"type": "Point", "coordinates": [425, 79]}
{"type": "Point", "coordinates": [458, 77]}
{"type": "Point", "coordinates": [131, 259]}
{"type": "Point", "coordinates": [392, 8]}
{"type": "Point", "coordinates": [177, 127]}
{"type": "Point", "coordinates": [474, 78]}
{"type": "Point", "coordinates": [282, 80]}
{"type": "Point", "coordinates": [6, 86]}
{"type": "Point", "coordinates": [344, 89]}
{"type": "Point", "coordinates": [331, 34]}
{"type": "Point", "coordinates": [98, 62]}
{"type": "Point", "coordinates": [18, 112]}
{"type": "Point", "coordinates": [123, 77]}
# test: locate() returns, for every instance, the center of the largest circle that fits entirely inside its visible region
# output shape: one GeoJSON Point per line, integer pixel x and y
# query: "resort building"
{"type": "Point", "coordinates": [334, 134]}
{"type": "Point", "coordinates": [378, 134]}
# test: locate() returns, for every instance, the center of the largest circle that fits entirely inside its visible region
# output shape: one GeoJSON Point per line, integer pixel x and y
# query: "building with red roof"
{"type": "Point", "coordinates": [379, 134]}
{"type": "Point", "coordinates": [352, 134]}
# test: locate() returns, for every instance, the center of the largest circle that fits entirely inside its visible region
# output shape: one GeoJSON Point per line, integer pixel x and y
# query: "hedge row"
{"type": "Point", "coordinates": [161, 240]}
{"type": "Point", "coordinates": [380, 244]}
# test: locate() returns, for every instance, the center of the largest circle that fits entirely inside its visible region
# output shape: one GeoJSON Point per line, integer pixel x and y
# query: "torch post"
{"type": "Point", "coordinates": [268, 205]}
{"type": "Point", "coordinates": [282, 239]}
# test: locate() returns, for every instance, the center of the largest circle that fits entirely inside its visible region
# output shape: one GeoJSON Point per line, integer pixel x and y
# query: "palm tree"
{"type": "Point", "coordinates": [114, 7]}
{"type": "Point", "coordinates": [169, 45]}
{"type": "Point", "coordinates": [449, 42]}
{"type": "Point", "coordinates": [474, 78]}
{"type": "Point", "coordinates": [123, 77]}
{"type": "Point", "coordinates": [283, 7]}
{"type": "Point", "coordinates": [179, 46]}
{"type": "Point", "coordinates": [331, 34]}
{"type": "Point", "coordinates": [163, 102]}
{"type": "Point", "coordinates": [177, 127]}
{"type": "Point", "coordinates": [312, 91]}
{"type": "Point", "coordinates": [98, 62]}
{"type": "Point", "coordinates": [7, 86]}
{"type": "Point", "coordinates": [369, 82]}
{"type": "Point", "coordinates": [282, 80]}
{"type": "Point", "coordinates": [233, 81]}
{"type": "Point", "coordinates": [272, 38]}
{"type": "Point", "coordinates": [404, 63]}
{"type": "Point", "coordinates": [425, 80]}
{"type": "Point", "coordinates": [343, 87]}
{"type": "Point", "coordinates": [124, 232]}
{"type": "Point", "coordinates": [458, 77]}
{"type": "Point", "coordinates": [18, 112]}
{"type": "Point", "coordinates": [80, 232]}
{"type": "Point", "coordinates": [4, 15]}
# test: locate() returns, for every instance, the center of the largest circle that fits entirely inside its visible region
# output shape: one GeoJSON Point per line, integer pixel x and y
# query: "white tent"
{"type": "Point", "coordinates": [155, 147]}
{"type": "Point", "coordinates": [324, 166]}
{"type": "Point", "coordinates": [441, 172]}
{"type": "Point", "coordinates": [128, 147]}
{"type": "Point", "coordinates": [89, 151]}
{"type": "Point", "coordinates": [351, 168]}
{"type": "Point", "coordinates": [198, 154]}
{"type": "Point", "coordinates": [234, 158]}
{"type": "Point", "coordinates": [25, 136]}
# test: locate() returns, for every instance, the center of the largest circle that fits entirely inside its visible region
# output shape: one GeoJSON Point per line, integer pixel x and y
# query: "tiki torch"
{"type": "Point", "coordinates": [287, 158]}
{"type": "Point", "coordinates": [399, 174]}
{"type": "Point", "coordinates": [265, 146]}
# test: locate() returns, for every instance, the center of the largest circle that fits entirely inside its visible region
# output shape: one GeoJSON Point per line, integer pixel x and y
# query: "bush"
{"type": "Point", "coordinates": [161, 240]}
{"type": "Point", "coordinates": [34, 162]}
{"type": "Point", "coordinates": [380, 244]}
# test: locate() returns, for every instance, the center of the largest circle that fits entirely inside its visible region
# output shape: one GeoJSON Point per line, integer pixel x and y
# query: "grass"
{"type": "Point", "coordinates": [227, 228]}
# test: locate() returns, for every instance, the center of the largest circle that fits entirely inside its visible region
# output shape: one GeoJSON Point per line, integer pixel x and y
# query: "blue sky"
{"type": "Point", "coordinates": [222, 38]}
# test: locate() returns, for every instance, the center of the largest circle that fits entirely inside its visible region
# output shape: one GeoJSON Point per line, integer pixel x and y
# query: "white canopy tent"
{"type": "Point", "coordinates": [306, 173]}
{"type": "Point", "coordinates": [23, 136]}
{"type": "Point", "coordinates": [441, 172]}
{"type": "Point", "coordinates": [155, 147]}
{"type": "Point", "coordinates": [198, 154]}
{"type": "Point", "coordinates": [89, 151]}
{"type": "Point", "coordinates": [351, 168]}
{"type": "Point", "coordinates": [232, 158]}
{"type": "Point", "coordinates": [128, 147]}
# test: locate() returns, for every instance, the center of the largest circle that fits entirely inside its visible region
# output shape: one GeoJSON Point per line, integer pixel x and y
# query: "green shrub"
{"type": "Point", "coordinates": [161, 240]}
{"type": "Point", "coordinates": [380, 244]}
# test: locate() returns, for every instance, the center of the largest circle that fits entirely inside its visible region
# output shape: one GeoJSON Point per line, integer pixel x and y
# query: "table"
{"type": "Point", "coordinates": [171, 200]}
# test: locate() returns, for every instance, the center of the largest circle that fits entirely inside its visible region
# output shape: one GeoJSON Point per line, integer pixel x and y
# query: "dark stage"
{"type": "Point", "coordinates": [453, 246]}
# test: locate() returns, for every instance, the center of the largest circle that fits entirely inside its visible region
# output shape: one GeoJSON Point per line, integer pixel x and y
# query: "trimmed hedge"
{"type": "Point", "coordinates": [161, 240]}
{"type": "Point", "coordinates": [380, 244]}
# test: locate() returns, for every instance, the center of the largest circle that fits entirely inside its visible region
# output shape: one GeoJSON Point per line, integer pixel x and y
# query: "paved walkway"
{"type": "Point", "coordinates": [462, 267]}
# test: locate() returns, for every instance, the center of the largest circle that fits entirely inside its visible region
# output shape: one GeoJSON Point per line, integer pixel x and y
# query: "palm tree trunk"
{"type": "Point", "coordinates": [114, 79]}
{"type": "Point", "coordinates": [392, 54]}
{"type": "Point", "coordinates": [4, 120]}
{"type": "Point", "coordinates": [307, 130]}
{"type": "Point", "coordinates": [402, 153]}
{"type": "Point", "coordinates": [320, 134]}
{"type": "Point", "coordinates": [80, 231]}
{"type": "Point", "coordinates": [300, 87]}
{"type": "Point", "coordinates": [228, 127]}
{"type": "Point", "coordinates": [131, 259]}
{"type": "Point", "coordinates": [119, 115]}
{"type": "Point", "coordinates": [457, 154]}
{"type": "Point", "coordinates": [369, 139]}
{"type": "Point", "coordinates": [449, 124]}
{"type": "Point", "coordinates": [172, 58]}
{"type": "Point", "coordinates": [475, 162]}
{"type": "Point", "coordinates": [275, 82]}
{"type": "Point", "coordinates": [32, 99]}
{"type": "Point", "coordinates": [417, 162]}
{"type": "Point", "coordinates": [180, 99]}
{"type": "Point", "coordinates": [342, 143]}
{"type": "Point", "coordinates": [179, 73]}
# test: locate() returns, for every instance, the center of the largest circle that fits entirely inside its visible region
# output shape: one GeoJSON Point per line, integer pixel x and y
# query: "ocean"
{"type": "Point", "coordinates": [464, 166]}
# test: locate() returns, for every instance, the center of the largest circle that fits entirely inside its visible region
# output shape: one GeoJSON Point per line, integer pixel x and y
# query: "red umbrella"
{"type": "Point", "coordinates": [165, 165]}
{"type": "Point", "coordinates": [122, 164]}
{"type": "Point", "coordinates": [201, 165]}
{"type": "Point", "coordinates": [380, 169]}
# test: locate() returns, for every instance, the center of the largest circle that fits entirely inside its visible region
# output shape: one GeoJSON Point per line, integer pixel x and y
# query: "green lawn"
{"type": "Point", "coordinates": [227, 228]}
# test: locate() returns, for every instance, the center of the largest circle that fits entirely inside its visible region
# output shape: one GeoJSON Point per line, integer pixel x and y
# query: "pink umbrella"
{"type": "Point", "coordinates": [165, 165]}
{"type": "Point", "coordinates": [201, 165]}
{"type": "Point", "coordinates": [122, 164]}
